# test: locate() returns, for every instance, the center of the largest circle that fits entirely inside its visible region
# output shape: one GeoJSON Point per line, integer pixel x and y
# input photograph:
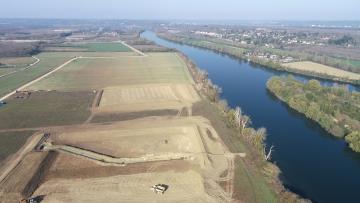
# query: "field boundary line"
{"type": "Point", "coordinates": [22, 69]}
{"type": "Point", "coordinates": [132, 48]}
{"type": "Point", "coordinates": [38, 79]}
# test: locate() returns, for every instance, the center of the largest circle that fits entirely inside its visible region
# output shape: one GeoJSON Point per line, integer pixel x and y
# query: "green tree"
{"type": "Point", "coordinates": [313, 85]}
{"type": "Point", "coordinates": [354, 140]}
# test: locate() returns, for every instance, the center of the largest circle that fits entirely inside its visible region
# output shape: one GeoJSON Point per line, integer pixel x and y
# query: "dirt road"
{"type": "Point", "coordinates": [27, 67]}
{"type": "Point", "coordinates": [38, 79]}
{"type": "Point", "coordinates": [132, 48]}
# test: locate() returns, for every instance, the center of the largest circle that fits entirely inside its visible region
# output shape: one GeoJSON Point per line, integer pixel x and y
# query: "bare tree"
{"type": "Point", "coordinates": [268, 155]}
{"type": "Point", "coordinates": [241, 120]}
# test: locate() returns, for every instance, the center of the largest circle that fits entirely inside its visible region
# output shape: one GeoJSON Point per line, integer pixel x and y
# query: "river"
{"type": "Point", "coordinates": [314, 164]}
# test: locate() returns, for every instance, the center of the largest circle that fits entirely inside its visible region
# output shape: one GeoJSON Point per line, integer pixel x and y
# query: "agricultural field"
{"type": "Point", "coordinates": [48, 61]}
{"type": "Point", "coordinates": [45, 109]}
{"type": "Point", "coordinates": [145, 138]}
{"type": "Point", "coordinates": [16, 62]}
{"type": "Point", "coordinates": [308, 66]}
{"type": "Point", "coordinates": [11, 142]}
{"type": "Point", "coordinates": [186, 186]}
{"type": "Point", "coordinates": [99, 47]}
{"type": "Point", "coordinates": [147, 97]}
{"type": "Point", "coordinates": [4, 71]}
{"type": "Point", "coordinates": [21, 182]}
{"type": "Point", "coordinates": [355, 63]}
{"type": "Point", "coordinates": [137, 138]}
{"type": "Point", "coordinates": [98, 73]}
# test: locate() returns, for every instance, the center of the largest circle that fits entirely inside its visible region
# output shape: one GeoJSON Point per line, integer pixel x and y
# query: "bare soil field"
{"type": "Point", "coordinates": [123, 116]}
{"type": "Point", "coordinates": [249, 183]}
{"type": "Point", "coordinates": [11, 142]}
{"type": "Point", "coordinates": [117, 161]}
{"type": "Point", "coordinates": [322, 69]}
{"type": "Point", "coordinates": [137, 138]}
{"type": "Point", "coordinates": [18, 183]}
{"type": "Point", "coordinates": [43, 108]}
{"type": "Point", "coordinates": [98, 73]}
{"type": "Point", "coordinates": [74, 178]}
{"type": "Point", "coordinates": [184, 187]}
{"type": "Point", "coordinates": [67, 166]}
{"type": "Point", "coordinates": [147, 97]}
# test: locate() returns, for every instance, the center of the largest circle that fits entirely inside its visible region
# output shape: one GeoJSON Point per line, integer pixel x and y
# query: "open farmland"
{"type": "Point", "coordinates": [354, 63]}
{"type": "Point", "coordinates": [100, 47]}
{"type": "Point", "coordinates": [137, 138]}
{"type": "Point", "coordinates": [11, 142]}
{"type": "Point", "coordinates": [48, 61]}
{"type": "Point", "coordinates": [18, 62]}
{"type": "Point", "coordinates": [114, 161]}
{"type": "Point", "coordinates": [12, 64]}
{"type": "Point", "coordinates": [145, 138]}
{"type": "Point", "coordinates": [23, 179]}
{"type": "Point", "coordinates": [185, 187]}
{"type": "Point", "coordinates": [4, 71]}
{"type": "Point", "coordinates": [98, 73]}
{"type": "Point", "coordinates": [147, 97]}
{"type": "Point", "coordinates": [308, 66]}
{"type": "Point", "coordinates": [46, 108]}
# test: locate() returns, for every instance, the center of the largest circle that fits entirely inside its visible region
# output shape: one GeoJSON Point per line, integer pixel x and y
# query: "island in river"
{"type": "Point", "coordinates": [336, 109]}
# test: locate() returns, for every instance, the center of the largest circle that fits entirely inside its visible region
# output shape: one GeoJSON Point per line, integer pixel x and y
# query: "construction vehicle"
{"type": "Point", "coordinates": [36, 199]}
{"type": "Point", "coordinates": [30, 200]}
{"type": "Point", "coordinates": [159, 188]}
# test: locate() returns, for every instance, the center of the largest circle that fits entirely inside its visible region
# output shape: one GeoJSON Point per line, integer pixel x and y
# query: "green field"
{"type": "Point", "coordinates": [91, 73]}
{"type": "Point", "coordinates": [4, 71]}
{"type": "Point", "coordinates": [11, 142]}
{"type": "Point", "coordinates": [102, 47]}
{"type": "Point", "coordinates": [16, 62]}
{"type": "Point", "coordinates": [355, 63]}
{"type": "Point", "coordinates": [48, 61]}
{"type": "Point", "coordinates": [46, 109]}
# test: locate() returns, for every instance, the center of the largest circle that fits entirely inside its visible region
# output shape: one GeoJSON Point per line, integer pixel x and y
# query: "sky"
{"type": "Point", "coordinates": [183, 9]}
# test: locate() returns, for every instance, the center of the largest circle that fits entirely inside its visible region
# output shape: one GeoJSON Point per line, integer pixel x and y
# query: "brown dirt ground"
{"type": "Point", "coordinates": [69, 167]}
{"type": "Point", "coordinates": [110, 117]}
{"type": "Point", "coordinates": [147, 97]}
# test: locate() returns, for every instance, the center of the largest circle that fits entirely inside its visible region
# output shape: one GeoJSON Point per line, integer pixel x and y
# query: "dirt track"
{"type": "Point", "coordinates": [108, 160]}
{"type": "Point", "coordinates": [37, 79]}
{"type": "Point", "coordinates": [27, 67]}
{"type": "Point", "coordinates": [181, 138]}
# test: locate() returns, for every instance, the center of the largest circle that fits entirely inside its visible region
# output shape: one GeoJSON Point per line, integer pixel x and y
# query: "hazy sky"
{"type": "Point", "coordinates": [184, 9]}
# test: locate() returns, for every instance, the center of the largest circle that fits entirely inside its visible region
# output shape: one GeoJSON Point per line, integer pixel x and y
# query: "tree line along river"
{"type": "Point", "coordinates": [314, 164]}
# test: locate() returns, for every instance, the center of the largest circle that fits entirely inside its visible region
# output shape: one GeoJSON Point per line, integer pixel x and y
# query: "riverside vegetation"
{"type": "Point", "coordinates": [242, 133]}
{"type": "Point", "coordinates": [335, 108]}
{"type": "Point", "coordinates": [240, 52]}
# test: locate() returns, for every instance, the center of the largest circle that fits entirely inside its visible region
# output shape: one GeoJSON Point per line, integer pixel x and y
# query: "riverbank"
{"type": "Point", "coordinates": [334, 108]}
{"type": "Point", "coordinates": [256, 179]}
{"type": "Point", "coordinates": [312, 162]}
{"type": "Point", "coordinates": [240, 53]}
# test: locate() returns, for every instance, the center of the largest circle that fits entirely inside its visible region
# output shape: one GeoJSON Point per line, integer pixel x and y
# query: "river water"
{"type": "Point", "coordinates": [314, 164]}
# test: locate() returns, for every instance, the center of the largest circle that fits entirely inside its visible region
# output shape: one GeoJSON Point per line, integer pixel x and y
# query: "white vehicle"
{"type": "Point", "coordinates": [159, 188]}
